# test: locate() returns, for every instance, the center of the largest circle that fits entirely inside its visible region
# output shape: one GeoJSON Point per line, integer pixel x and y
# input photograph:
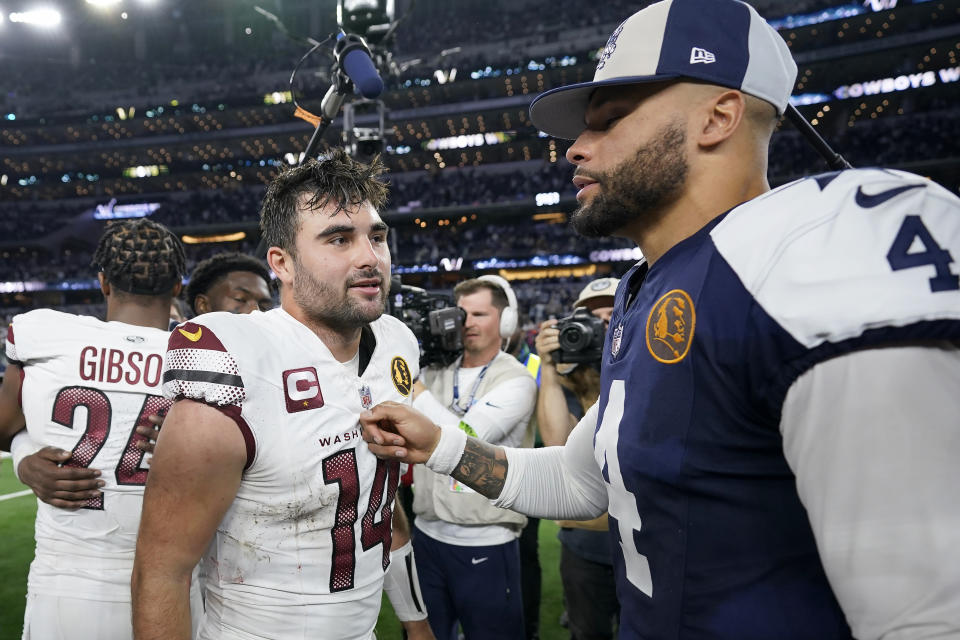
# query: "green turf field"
{"type": "Point", "coordinates": [16, 532]}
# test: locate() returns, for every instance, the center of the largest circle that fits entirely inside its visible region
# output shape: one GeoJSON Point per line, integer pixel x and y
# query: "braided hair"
{"type": "Point", "coordinates": [141, 257]}
{"type": "Point", "coordinates": [338, 180]}
{"type": "Point", "coordinates": [209, 272]}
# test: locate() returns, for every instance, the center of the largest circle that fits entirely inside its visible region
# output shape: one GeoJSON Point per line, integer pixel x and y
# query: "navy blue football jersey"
{"type": "Point", "coordinates": [710, 537]}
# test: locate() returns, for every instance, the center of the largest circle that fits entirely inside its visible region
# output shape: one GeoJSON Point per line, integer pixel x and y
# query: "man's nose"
{"type": "Point", "coordinates": [581, 149]}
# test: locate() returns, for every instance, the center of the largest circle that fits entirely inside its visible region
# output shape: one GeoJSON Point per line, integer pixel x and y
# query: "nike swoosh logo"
{"type": "Point", "coordinates": [495, 406]}
{"type": "Point", "coordinates": [478, 560]}
{"type": "Point", "coordinates": [868, 201]}
{"type": "Point", "coordinates": [192, 337]}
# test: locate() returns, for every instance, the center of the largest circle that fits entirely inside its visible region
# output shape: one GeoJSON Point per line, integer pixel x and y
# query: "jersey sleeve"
{"type": "Point", "coordinates": [10, 347]}
{"type": "Point", "coordinates": [842, 262]}
{"type": "Point", "coordinates": [36, 335]}
{"type": "Point", "coordinates": [198, 366]}
{"type": "Point", "coordinates": [833, 257]}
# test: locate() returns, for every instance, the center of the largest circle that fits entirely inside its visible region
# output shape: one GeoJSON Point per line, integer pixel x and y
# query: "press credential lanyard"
{"type": "Point", "coordinates": [455, 405]}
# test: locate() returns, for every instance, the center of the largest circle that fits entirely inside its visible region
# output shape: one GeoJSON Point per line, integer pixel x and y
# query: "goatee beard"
{"type": "Point", "coordinates": [638, 188]}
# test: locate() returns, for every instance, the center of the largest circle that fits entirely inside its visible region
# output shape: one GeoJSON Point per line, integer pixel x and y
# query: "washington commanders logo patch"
{"type": "Point", "coordinates": [400, 373]}
{"type": "Point", "coordinates": [670, 327]}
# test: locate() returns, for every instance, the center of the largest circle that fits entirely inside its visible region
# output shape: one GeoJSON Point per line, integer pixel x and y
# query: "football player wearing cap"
{"type": "Point", "coordinates": [468, 551]}
{"type": "Point", "coordinates": [776, 435]}
{"type": "Point", "coordinates": [566, 392]}
{"type": "Point", "coordinates": [260, 474]}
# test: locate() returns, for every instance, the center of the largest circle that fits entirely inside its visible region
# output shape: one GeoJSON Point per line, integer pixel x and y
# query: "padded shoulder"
{"type": "Point", "coordinates": [832, 256]}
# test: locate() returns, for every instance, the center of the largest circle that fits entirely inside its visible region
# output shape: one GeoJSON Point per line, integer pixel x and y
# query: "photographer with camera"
{"type": "Point", "coordinates": [570, 382]}
{"type": "Point", "coordinates": [467, 549]}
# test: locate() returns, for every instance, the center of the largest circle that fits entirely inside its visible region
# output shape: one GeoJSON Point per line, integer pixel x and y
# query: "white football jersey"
{"type": "Point", "coordinates": [87, 384]}
{"type": "Point", "coordinates": [303, 548]}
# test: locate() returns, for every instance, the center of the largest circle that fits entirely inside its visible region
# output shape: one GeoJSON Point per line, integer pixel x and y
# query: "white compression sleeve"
{"type": "Point", "coordinates": [560, 483]}
{"type": "Point", "coordinates": [403, 586]}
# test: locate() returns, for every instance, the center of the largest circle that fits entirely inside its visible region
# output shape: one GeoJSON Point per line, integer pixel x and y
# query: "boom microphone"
{"type": "Point", "coordinates": [353, 56]}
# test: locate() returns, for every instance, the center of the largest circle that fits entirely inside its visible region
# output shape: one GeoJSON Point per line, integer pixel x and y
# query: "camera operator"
{"type": "Point", "coordinates": [586, 566]}
{"type": "Point", "coordinates": [470, 572]}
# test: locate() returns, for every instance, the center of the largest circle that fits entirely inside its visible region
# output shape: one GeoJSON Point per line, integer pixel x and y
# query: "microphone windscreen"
{"type": "Point", "coordinates": [359, 67]}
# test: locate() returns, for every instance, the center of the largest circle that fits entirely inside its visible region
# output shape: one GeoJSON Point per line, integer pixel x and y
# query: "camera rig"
{"type": "Point", "coordinates": [434, 320]}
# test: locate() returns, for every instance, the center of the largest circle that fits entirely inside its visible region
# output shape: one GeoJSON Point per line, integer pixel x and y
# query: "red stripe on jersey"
{"type": "Point", "coordinates": [10, 334]}
{"type": "Point", "coordinates": [190, 335]}
{"type": "Point", "coordinates": [232, 411]}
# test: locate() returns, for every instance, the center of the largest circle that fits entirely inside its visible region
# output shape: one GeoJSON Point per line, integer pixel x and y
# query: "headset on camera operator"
{"type": "Point", "coordinates": [570, 351]}
{"type": "Point", "coordinates": [470, 568]}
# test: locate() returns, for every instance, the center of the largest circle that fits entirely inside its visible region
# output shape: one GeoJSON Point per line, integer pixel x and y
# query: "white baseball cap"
{"type": "Point", "coordinates": [603, 287]}
{"type": "Point", "coordinates": [721, 42]}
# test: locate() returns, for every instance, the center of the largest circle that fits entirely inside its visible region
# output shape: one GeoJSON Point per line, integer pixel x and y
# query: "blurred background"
{"type": "Point", "coordinates": [182, 110]}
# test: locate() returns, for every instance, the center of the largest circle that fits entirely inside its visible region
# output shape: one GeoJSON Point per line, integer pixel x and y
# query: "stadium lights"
{"type": "Point", "coordinates": [103, 3]}
{"type": "Point", "coordinates": [37, 17]}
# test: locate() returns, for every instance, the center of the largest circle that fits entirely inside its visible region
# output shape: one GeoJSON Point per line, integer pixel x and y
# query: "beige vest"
{"type": "Point", "coordinates": [438, 497]}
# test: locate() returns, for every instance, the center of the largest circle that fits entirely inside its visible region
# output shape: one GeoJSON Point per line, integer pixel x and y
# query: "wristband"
{"type": "Point", "coordinates": [22, 446]}
{"type": "Point", "coordinates": [446, 456]}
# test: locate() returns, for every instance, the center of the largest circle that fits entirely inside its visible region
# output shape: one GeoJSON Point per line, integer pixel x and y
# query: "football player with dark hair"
{"type": "Point", "coordinates": [85, 389]}
{"type": "Point", "coordinates": [260, 473]}
{"type": "Point", "coordinates": [231, 282]}
{"type": "Point", "coordinates": [776, 434]}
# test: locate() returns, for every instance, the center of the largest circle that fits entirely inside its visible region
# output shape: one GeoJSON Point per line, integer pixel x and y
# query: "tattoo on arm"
{"type": "Point", "coordinates": [483, 468]}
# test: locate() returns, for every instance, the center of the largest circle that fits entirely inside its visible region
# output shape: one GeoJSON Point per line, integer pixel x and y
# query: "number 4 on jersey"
{"type": "Point", "coordinates": [900, 256]}
{"type": "Point", "coordinates": [622, 505]}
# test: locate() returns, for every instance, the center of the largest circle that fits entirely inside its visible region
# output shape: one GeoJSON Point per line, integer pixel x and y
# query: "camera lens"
{"type": "Point", "coordinates": [574, 336]}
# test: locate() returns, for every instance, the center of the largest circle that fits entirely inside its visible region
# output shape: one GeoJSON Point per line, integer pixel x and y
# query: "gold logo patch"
{"type": "Point", "coordinates": [670, 327]}
{"type": "Point", "coordinates": [400, 373]}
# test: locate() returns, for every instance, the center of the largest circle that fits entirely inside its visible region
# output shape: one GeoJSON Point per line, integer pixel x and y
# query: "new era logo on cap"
{"type": "Point", "coordinates": [701, 56]}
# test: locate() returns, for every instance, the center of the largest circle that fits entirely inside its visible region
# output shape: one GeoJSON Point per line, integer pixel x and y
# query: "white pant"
{"type": "Point", "coordinates": [59, 618]}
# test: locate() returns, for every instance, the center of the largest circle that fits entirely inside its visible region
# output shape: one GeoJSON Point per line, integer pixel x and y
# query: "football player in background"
{"type": "Point", "coordinates": [776, 436]}
{"type": "Point", "coordinates": [259, 470]}
{"type": "Point", "coordinates": [231, 282]}
{"type": "Point", "coordinates": [83, 386]}
{"type": "Point", "coordinates": [224, 282]}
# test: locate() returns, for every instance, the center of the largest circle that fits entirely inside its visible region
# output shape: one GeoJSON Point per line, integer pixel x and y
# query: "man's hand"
{"type": "Point", "coordinates": [149, 433]}
{"type": "Point", "coordinates": [397, 432]}
{"type": "Point", "coordinates": [61, 487]}
{"type": "Point", "coordinates": [547, 341]}
{"type": "Point", "coordinates": [418, 630]}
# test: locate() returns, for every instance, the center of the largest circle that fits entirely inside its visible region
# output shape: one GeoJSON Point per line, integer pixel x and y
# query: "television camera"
{"type": "Point", "coordinates": [434, 319]}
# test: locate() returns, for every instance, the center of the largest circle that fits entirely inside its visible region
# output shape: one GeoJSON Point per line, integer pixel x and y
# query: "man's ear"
{"type": "Point", "coordinates": [281, 262]}
{"type": "Point", "coordinates": [104, 285]}
{"type": "Point", "coordinates": [725, 112]}
{"type": "Point", "coordinates": [201, 304]}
